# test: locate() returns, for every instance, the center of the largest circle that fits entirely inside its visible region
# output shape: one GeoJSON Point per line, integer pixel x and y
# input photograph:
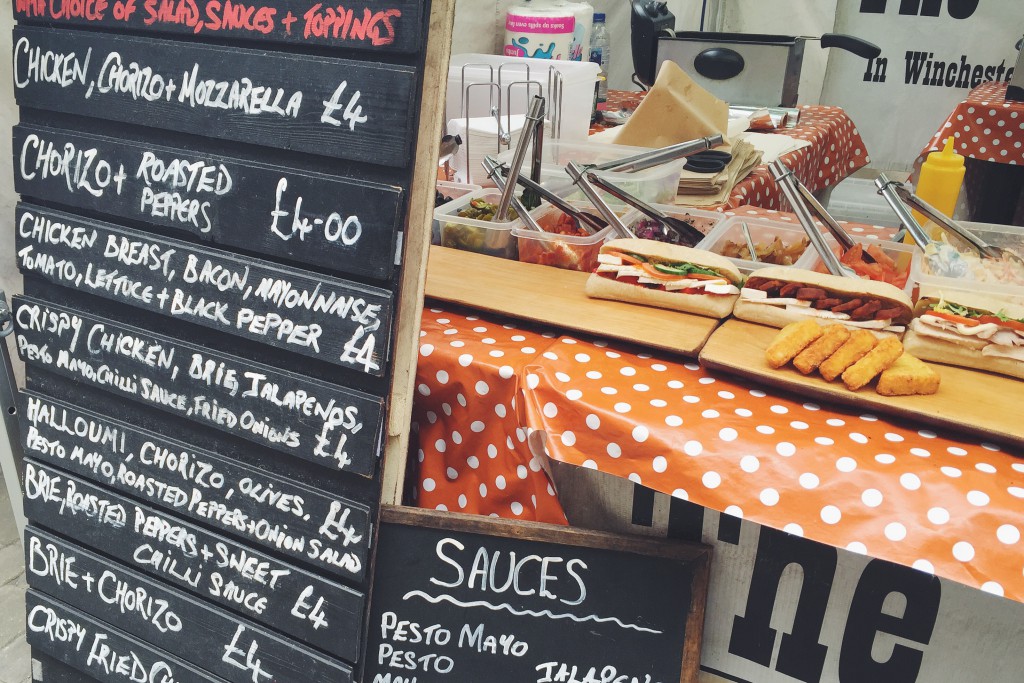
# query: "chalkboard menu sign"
{"type": "Point", "coordinates": [223, 224]}
{"type": "Point", "coordinates": [460, 598]}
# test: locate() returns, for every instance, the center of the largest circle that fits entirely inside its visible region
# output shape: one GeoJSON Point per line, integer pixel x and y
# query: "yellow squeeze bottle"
{"type": "Point", "coordinates": [942, 175]}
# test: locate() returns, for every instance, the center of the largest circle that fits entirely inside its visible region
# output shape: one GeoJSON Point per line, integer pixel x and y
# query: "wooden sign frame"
{"type": "Point", "coordinates": [695, 555]}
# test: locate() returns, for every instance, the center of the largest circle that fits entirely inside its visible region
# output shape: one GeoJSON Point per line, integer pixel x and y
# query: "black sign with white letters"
{"type": "Point", "coordinates": [335, 107]}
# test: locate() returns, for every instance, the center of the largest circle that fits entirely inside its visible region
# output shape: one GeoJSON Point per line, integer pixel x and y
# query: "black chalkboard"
{"type": "Point", "coordinates": [339, 322]}
{"type": "Point", "coordinates": [461, 598]}
{"type": "Point", "coordinates": [241, 501]}
{"type": "Point", "coordinates": [294, 601]}
{"type": "Point", "coordinates": [334, 427]}
{"type": "Point", "coordinates": [344, 224]}
{"type": "Point", "coordinates": [103, 652]}
{"type": "Point", "coordinates": [206, 636]}
{"type": "Point", "coordinates": [376, 25]}
{"type": "Point", "coordinates": [363, 111]}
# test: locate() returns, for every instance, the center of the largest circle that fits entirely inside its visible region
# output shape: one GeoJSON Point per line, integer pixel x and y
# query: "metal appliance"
{"type": "Point", "coordinates": [741, 68]}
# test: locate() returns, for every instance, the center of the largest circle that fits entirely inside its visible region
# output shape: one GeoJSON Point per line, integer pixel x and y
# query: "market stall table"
{"type": "Point", "coordinates": [495, 395]}
{"type": "Point", "coordinates": [989, 131]}
{"type": "Point", "coordinates": [835, 152]}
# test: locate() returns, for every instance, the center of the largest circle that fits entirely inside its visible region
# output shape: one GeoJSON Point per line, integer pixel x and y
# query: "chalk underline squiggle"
{"type": "Point", "coordinates": [508, 608]}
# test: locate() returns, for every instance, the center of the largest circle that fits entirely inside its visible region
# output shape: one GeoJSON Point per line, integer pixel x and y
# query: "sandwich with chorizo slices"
{"type": "Point", "coordinates": [667, 276]}
{"type": "Point", "coordinates": [779, 295]}
{"type": "Point", "coordinates": [968, 329]}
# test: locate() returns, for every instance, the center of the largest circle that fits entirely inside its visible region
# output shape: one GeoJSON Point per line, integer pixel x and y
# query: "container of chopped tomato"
{"type": "Point", "coordinates": [893, 260]}
{"type": "Point", "coordinates": [563, 245]}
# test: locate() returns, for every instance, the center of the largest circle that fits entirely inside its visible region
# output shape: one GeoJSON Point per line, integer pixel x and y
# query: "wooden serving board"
{"type": "Point", "coordinates": [967, 400]}
{"type": "Point", "coordinates": [553, 296]}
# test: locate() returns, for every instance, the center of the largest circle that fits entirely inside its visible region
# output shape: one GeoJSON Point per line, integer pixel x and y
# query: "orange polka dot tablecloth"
{"type": "Point", "coordinates": [494, 396]}
{"type": "Point", "coordinates": [985, 126]}
{"type": "Point", "coordinates": [836, 151]}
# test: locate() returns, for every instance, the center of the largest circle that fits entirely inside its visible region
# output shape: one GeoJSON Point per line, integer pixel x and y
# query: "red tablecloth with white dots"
{"type": "Point", "coordinates": [986, 127]}
{"type": "Point", "coordinates": [836, 151]}
{"type": "Point", "coordinates": [495, 397]}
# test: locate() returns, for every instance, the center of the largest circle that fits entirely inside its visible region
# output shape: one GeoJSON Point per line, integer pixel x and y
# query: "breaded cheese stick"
{"type": "Point", "coordinates": [870, 366]}
{"type": "Point", "coordinates": [791, 340]}
{"type": "Point", "coordinates": [808, 360]}
{"type": "Point", "coordinates": [855, 348]}
{"type": "Point", "coordinates": [908, 376]}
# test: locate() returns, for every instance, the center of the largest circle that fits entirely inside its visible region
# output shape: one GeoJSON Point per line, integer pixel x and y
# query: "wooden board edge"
{"type": "Point", "coordinates": [541, 532]}
{"type": "Point", "coordinates": [416, 247]}
{"type": "Point", "coordinates": [887, 408]}
{"type": "Point", "coordinates": [690, 670]}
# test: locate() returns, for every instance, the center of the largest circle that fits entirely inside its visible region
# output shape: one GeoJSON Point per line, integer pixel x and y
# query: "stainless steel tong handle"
{"type": "Point", "coordinates": [785, 179]}
{"type": "Point", "coordinates": [641, 205]}
{"type": "Point", "coordinates": [943, 220]}
{"type": "Point", "coordinates": [886, 189]}
{"type": "Point", "coordinates": [586, 222]}
{"type": "Point", "coordinates": [534, 117]}
{"type": "Point", "coordinates": [618, 227]}
{"type": "Point", "coordinates": [656, 157]}
{"type": "Point", "coordinates": [493, 174]}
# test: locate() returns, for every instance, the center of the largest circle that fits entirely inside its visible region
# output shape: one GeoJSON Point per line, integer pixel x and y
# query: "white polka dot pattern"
{"type": "Point", "coordinates": [984, 126]}
{"type": "Point", "coordinates": [889, 489]}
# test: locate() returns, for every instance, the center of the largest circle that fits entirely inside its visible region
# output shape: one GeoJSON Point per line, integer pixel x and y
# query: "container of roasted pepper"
{"type": "Point", "coordinates": [775, 243]}
{"type": "Point", "coordinates": [892, 260]}
{"type": "Point", "coordinates": [468, 224]}
{"type": "Point", "coordinates": [563, 244]}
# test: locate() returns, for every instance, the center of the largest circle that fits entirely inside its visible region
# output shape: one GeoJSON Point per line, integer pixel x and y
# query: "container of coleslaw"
{"type": "Point", "coordinates": [903, 255]}
{"type": "Point", "coordinates": [1001, 278]}
{"type": "Point", "coordinates": [778, 243]}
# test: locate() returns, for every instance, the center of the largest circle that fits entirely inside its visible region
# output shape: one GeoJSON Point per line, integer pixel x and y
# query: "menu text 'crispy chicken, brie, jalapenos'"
{"type": "Point", "coordinates": [777, 296]}
{"type": "Point", "coordinates": [666, 276]}
{"type": "Point", "coordinates": [972, 330]}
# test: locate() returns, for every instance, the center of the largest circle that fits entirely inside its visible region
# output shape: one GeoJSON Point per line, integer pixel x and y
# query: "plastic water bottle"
{"type": "Point", "coordinates": [600, 52]}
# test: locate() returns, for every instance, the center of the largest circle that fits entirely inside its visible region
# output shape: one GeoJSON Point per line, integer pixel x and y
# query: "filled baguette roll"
{"type": "Point", "coordinates": [666, 276]}
{"type": "Point", "coordinates": [779, 295]}
{"type": "Point", "coordinates": [969, 330]}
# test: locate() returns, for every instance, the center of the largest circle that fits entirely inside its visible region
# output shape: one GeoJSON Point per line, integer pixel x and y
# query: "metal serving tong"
{"type": "Point", "coordinates": [791, 188]}
{"type": "Point", "coordinates": [656, 157]}
{"type": "Point", "coordinates": [687, 234]}
{"type": "Point", "coordinates": [534, 117]}
{"type": "Point", "coordinates": [587, 222]}
{"type": "Point", "coordinates": [943, 259]}
{"type": "Point", "coordinates": [984, 249]}
{"type": "Point", "coordinates": [576, 172]}
{"type": "Point", "coordinates": [493, 173]}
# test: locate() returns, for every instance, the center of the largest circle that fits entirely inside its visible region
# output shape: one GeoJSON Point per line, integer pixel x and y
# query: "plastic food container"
{"type": "Point", "coordinates": [569, 252]}
{"type": "Point", "coordinates": [761, 232]}
{"type": "Point", "coordinates": [1006, 236]}
{"type": "Point", "coordinates": [705, 221]}
{"type": "Point", "coordinates": [453, 191]}
{"type": "Point", "coordinates": [903, 254]}
{"type": "Point", "coordinates": [657, 185]}
{"type": "Point", "coordinates": [468, 234]}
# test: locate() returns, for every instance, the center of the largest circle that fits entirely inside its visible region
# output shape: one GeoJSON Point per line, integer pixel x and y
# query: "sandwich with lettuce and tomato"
{"type": "Point", "coordinates": [968, 329]}
{"type": "Point", "coordinates": [667, 276]}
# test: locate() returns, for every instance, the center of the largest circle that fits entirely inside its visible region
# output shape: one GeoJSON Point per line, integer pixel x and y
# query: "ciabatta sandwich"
{"type": "Point", "coordinates": [779, 295]}
{"type": "Point", "coordinates": [667, 276]}
{"type": "Point", "coordinates": [970, 330]}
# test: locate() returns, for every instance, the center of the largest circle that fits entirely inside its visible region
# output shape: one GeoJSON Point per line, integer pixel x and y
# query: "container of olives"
{"type": "Point", "coordinates": [468, 224]}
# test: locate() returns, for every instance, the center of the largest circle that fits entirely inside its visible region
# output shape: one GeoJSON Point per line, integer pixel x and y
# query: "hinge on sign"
{"type": "Point", "coordinates": [6, 321]}
{"type": "Point", "coordinates": [398, 248]}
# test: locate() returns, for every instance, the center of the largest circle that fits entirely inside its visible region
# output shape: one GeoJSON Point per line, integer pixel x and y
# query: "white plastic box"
{"type": "Point", "coordinates": [761, 231]}
{"type": "Point", "coordinates": [468, 234]}
{"type": "Point", "coordinates": [903, 254]}
{"type": "Point", "coordinates": [1006, 236]}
